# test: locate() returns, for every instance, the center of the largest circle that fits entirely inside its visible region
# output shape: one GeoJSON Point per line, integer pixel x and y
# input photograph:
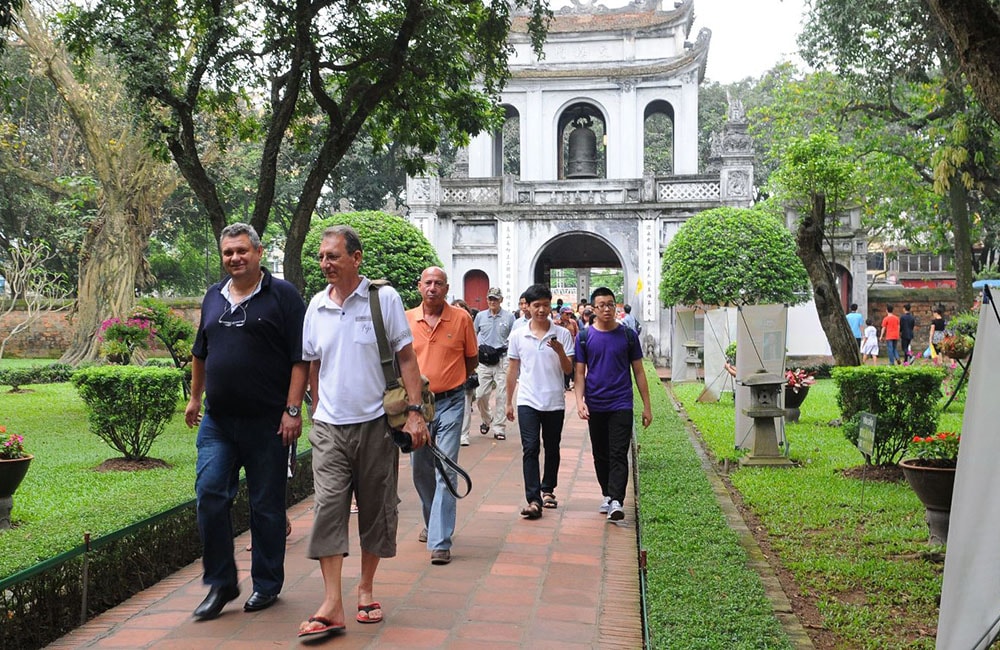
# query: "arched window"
{"type": "Point", "coordinates": [587, 116]}
{"type": "Point", "coordinates": [658, 139]}
{"type": "Point", "coordinates": [507, 144]}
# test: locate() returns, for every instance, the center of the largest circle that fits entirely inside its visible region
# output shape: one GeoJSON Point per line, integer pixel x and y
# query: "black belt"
{"type": "Point", "coordinates": [448, 393]}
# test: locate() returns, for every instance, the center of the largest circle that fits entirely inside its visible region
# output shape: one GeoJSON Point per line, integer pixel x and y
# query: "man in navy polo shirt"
{"type": "Point", "coordinates": [247, 360]}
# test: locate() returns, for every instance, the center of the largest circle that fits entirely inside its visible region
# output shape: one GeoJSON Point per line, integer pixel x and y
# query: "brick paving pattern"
{"type": "Point", "coordinates": [567, 580]}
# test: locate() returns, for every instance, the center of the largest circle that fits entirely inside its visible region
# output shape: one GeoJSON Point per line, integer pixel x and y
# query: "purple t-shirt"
{"type": "Point", "coordinates": [609, 358]}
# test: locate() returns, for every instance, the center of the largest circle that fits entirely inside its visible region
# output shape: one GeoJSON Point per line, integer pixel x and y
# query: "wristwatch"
{"type": "Point", "coordinates": [293, 410]}
{"type": "Point", "coordinates": [416, 408]}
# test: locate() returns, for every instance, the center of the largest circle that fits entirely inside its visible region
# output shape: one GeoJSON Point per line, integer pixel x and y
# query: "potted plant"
{"type": "Point", "coordinates": [797, 383]}
{"type": "Point", "coordinates": [930, 471]}
{"type": "Point", "coordinates": [14, 463]}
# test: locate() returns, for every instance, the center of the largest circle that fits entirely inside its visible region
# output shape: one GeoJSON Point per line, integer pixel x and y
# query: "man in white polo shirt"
{"type": "Point", "coordinates": [539, 357]}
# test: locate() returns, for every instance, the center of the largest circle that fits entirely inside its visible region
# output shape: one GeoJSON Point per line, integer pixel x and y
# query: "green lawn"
{"type": "Point", "coordinates": [866, 562]}
{"type": "Point", "coordinates": [62, 496]}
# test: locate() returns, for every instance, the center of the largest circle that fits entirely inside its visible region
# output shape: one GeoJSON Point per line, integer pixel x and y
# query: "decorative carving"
{"type": "Point", "coordinates": [738, 183]}
{"type": "Point", "coordinates": [737, 143]}
{"type": "Point", "coordinates": [420, 189]}
{"type": "Point", "coordinates": [736, 112]}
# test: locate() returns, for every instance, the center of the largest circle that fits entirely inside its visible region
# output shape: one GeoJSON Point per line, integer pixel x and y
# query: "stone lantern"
{"type": "Point", "coordinates": [765, 391]}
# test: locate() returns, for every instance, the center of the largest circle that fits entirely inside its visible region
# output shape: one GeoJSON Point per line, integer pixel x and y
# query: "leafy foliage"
{"type": "Point", "coordinates": [128, 405]}
{"type": "Point", "coordinates": [393, 249]}
{"type": "Point", "coordinates": [52, 373]}
{"type": "Point", "coordinates": [904, 399]}
{"type": "Point", "coordinates": [732, 256]}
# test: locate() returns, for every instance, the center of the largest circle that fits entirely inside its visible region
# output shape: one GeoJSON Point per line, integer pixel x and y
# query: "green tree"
{"type": "Point", "coordinates": [732, 256]}
{"type": "Point", "coordinates": [394, 249]}
{"type": "Point", "coordinates": [818, 176]}
{"type": "Point", "coordinates": [315, 74]}
{"type": "Point", "coordinates": [130, 183]}
{"type": "Point", "coordinates": [906, 73]}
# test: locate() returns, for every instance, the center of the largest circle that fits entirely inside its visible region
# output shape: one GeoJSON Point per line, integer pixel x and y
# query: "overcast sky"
{"type": "Point", "coordinates": [748, 36]}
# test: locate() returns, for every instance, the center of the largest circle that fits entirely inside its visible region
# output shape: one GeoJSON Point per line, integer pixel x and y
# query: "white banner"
{"type": "Point", "coordinates": [970, 596]}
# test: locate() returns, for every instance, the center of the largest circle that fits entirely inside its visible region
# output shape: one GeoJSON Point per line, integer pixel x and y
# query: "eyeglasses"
{"type": "Point", "coordinates": [237, 316]}
{"type": "Point", "coordinates": [603, 306]}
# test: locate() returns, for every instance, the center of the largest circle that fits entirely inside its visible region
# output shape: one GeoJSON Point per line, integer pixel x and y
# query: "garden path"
{"type": "Point", "coordinates": [567, 580]}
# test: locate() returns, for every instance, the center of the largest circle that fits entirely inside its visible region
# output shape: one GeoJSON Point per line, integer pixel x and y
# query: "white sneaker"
{"type": "Point", "coordinates": [615, 512]}
{"type": "Point", "coordinates": [605, 506]}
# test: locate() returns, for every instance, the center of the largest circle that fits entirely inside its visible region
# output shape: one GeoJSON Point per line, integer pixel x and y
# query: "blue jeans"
{"type": "Point", "coordinates": [610, 438]}
{"type": "Point", "coordinates": [224, 445]}
{"type": "Point", "coordinates": [439, 507]}
{"type": "Point", "coordinates": [547, 425]}
{"type": "Point", "coordinates": [890, 347]}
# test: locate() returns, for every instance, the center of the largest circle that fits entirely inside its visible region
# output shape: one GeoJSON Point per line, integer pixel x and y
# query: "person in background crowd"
{"type": "Point", "coordinates": [470, 384]}
{"type": "Point", "coordinates": [631, 321]}
{"type": "Point", "coordinates": [890, 334]}
{"type": "Point", "coordinates": [936, 335]}
{"type": "Point", "coordinates": [869, 343]}
{"type": "Point", "coordinates": [523, 316]}
{"type": "Point", "coordinates": [857, 323]}
{"type": "Point", "coordinates": [907, 324]}
{"type": "Point", "coordinates": [493, 327]}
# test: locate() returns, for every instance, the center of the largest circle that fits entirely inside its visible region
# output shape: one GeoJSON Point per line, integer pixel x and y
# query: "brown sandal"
{"type": "Point", "coordinates": [549, 500]}
{"type": "Point", "coordinates": [533, 511]}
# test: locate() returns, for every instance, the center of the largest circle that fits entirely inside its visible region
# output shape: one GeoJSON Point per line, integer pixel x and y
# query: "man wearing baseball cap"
{"type": "Point", "coordinates": [493, 326]}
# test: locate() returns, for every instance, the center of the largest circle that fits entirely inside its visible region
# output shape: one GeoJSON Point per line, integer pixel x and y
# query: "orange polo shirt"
{"type": "Point", "coordinates": [441, 351]}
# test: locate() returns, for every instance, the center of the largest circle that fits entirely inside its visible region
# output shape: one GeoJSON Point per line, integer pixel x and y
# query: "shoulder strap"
{"type": "Point", "coordinates": [581, 338]}
{"type": "Point", "coordinates": [386, 357]}
{"type": "Point", "coordinates": [633, 340]}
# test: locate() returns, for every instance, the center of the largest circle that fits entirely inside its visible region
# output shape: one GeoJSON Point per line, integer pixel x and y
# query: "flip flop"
{"type": "Point", "coordinates": [549, 500]}
{"type": "Point", "coordinates": [365, 613]}
{"type": "Point", "coordinates": [533, 511]}
{"type": "Point", "coordinates": [499, 436]}
{"type": "Point", "coordinates": [328, 627]}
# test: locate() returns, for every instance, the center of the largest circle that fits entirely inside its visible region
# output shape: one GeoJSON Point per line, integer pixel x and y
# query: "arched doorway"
{"type": "Point", "coordinates": [845, 285]}
{"type": "Point", "coordinates": [475, 284]}
{"type": "Point", "coordinates": [575, 263]}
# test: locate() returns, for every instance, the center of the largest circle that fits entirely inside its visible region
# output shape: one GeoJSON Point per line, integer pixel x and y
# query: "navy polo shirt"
{"type": "Point", "coordinates": [248, 367]}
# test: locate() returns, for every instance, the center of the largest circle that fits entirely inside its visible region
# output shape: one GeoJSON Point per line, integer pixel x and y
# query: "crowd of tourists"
{"type": "Point", "coordinates": [259, 348]}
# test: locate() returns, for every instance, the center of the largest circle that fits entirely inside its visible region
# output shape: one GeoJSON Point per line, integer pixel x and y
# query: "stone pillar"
{"type": "Point", "coordinates": [736, 171]}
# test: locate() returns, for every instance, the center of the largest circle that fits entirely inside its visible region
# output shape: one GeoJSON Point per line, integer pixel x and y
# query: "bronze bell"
{"type": "Point", "coordinates": [582, 159]}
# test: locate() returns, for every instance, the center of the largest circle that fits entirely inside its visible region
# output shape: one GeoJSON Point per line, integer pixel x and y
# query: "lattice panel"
{"type": "Point", "coordinates": [667, 192]}
{"type": "Point", "coordinates": [470, 195]}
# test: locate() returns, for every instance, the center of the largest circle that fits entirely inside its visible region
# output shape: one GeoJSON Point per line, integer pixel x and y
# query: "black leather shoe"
{"type": "Point", "coordinates": [258, 601]}
{"type": "Point", "coordinates": [214, 602]}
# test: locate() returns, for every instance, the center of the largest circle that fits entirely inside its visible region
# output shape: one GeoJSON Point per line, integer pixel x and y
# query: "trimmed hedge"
{"type": "Point", "coordinates": [128, 406]}
{"type": "Point", "coordinates": [904, 398]}
{"type": "Point", "coordinates": [52, 373]}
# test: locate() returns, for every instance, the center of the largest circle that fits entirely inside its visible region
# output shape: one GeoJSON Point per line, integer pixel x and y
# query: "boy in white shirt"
{"type": "Point", "coordinates": [540, 355]}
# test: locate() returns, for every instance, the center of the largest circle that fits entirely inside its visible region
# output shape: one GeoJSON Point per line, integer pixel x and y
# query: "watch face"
{"type": "Point", "coordinates": [292, 410]}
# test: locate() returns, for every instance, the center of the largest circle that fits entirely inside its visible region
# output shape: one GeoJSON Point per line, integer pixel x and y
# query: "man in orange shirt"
{"type": "Point", "coordinates": [447, 353]}
{"type": "Point", "coordinates": [890, 334]}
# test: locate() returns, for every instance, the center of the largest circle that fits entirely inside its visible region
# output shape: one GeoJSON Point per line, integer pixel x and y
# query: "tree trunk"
{"type": "Point", "coordinates": [958, 198]}
{"type": "Point", "coordinates": [111, 256]}
{"type": "Point", "coordinates": [809, 248]}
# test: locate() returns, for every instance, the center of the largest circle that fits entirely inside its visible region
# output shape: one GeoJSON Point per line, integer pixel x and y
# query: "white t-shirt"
{"type": "Point", "coordinates": [342, 337]}
{"type": "Point", "coordinates": [540, 384]}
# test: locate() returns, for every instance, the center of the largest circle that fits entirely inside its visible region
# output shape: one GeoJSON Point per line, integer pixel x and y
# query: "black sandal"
{"type": "Point", "coordinates": [533, 511]}
{"type": "Point", "coordinates": [549, 500]}
{"type": "Point", "coordinates": [499, 436]}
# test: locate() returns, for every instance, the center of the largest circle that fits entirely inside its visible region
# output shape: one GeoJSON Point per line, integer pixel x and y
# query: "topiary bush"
{"type": "Point", "coordinates": [53, 373]}
{"type": "Point", "coordinates": [904, 398]}
{"type": "Point", "coordinates": [732, 256]}
{"type": "Point", "coordinates": [128, 406]}
{"type": "Point", "coordinates": [394, 249]}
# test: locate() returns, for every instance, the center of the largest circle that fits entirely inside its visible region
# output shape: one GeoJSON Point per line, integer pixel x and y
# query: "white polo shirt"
{"type": "Point", "coordinates": [342, 337]}
{"type": "Point", "coordinates": [540, 384]}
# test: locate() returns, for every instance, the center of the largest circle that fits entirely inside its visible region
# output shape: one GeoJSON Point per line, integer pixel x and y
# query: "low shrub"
{"type": "Point", "coordinates": [52, 373]}
{"type": "Point", "coordinates": [128, 406]}
{"type": "Point", "coordinates": [903, 398]}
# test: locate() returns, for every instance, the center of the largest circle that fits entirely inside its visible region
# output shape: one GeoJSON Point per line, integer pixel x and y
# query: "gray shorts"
{"type": "Point", "coordinates": [359, 458]}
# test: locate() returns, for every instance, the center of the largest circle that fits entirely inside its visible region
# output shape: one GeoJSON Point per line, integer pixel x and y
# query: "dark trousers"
{"type": "Point", "coordinates": [904, 345]}
{"type": "Point", "coordinates": [224, 445]}
{"type": "Point", "coordinates": [539, 429]}
{"type": "Point", "coordinates": [610, 437]}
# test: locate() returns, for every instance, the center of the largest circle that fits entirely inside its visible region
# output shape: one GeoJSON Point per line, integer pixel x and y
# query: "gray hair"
{"type": "Point", "coordinates": [351, 240]}
{"type": "Point", "coordinates": [240, 228]}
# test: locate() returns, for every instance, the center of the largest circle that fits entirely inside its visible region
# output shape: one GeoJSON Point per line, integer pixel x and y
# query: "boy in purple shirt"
{"type": "Point", "coordinates": [605, 353]}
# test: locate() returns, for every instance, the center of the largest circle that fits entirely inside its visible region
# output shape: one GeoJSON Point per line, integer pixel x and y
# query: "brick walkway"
{"type": "Point", "coordinates": [567, 580]}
